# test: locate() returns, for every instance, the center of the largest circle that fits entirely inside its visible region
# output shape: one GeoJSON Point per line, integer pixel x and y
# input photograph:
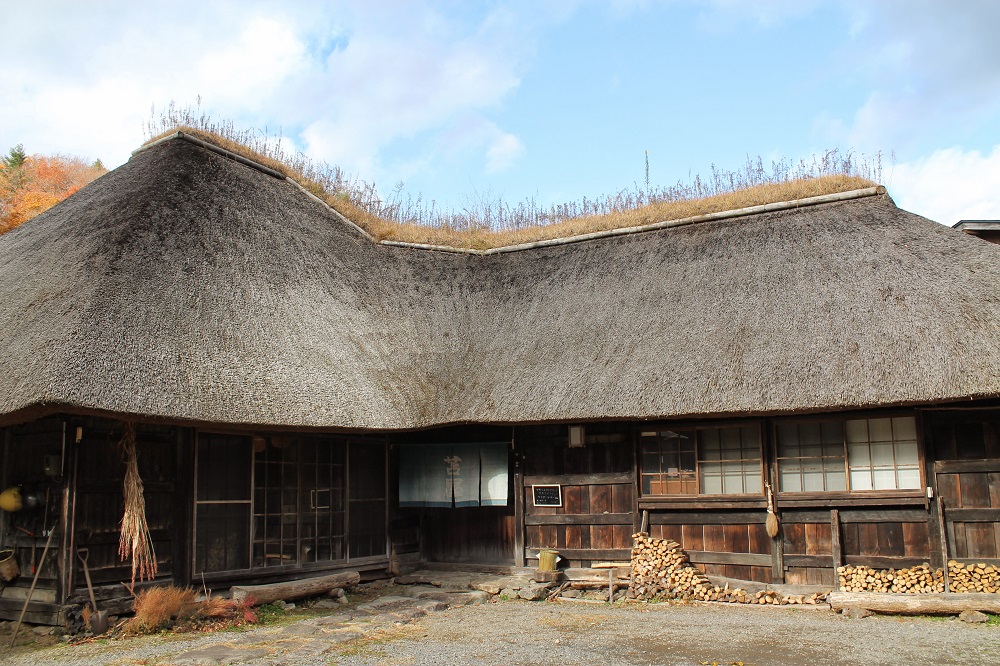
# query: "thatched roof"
{"type": "Point", "coordinates": [187, 286]}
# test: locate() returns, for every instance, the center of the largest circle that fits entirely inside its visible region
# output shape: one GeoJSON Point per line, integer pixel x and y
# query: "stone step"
{"type": "Point", "coordinates": [452, 598]}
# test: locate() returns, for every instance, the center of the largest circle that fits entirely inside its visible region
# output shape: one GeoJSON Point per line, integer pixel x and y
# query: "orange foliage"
{"type": "Point", "coordinates": [40, 183]}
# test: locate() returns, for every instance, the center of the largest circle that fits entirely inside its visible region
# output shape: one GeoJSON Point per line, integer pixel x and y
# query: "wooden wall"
{"type": "Point", "coordinates": [966, 446]}
{"type": "Point", "coordinates": [598, 515]}
{"type": "Point", "coordinates": [733, 545]}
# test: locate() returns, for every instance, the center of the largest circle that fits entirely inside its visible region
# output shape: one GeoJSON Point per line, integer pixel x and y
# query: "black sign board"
{"type": "Point", "coordinates": [547, 495]}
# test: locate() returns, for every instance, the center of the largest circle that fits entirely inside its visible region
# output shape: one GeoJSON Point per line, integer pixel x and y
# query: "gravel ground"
{"type": "Point", "coordinates": [547, 634]}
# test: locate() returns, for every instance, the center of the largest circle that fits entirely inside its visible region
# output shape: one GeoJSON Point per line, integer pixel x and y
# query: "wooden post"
{"type": "Point", "coordinates": [644, 527]}
{"type": "Point", "coordinates": [835, 548]}
{"type": "Point", "coordinates": [778, 560]}
{"type": "Point", "coordinates": [519, 559]}
{"type": "Point", "coordinates": [943, 536]}
{"type": "Point", "coordinates": [66, 561]}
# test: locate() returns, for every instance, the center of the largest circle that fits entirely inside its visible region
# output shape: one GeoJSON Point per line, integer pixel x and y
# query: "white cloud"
{"type": "Point", "coordinates": [344, 80]}
{"type": "Point", "coordinates": [503, 152]}
{"type": "Point", "coordinates": [949, 185]}
{"type": "Point", "coordinates": [927, 63]}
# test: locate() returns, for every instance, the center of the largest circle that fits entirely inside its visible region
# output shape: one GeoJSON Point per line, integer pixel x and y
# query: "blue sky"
{"type": "Point", "coordinates": [550, 100]}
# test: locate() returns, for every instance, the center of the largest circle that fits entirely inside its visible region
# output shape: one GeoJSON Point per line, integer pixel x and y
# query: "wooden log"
{"type": "Point", "coordinates": [915, 604]}
{"type": "Point", "coordinates": [296, 589]}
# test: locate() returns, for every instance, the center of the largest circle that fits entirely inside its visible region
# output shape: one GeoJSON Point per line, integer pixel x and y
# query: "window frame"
{"type": "Point", "coordinates": [698, 480]}
{"type": "Point", "coordinates": [791, 495]}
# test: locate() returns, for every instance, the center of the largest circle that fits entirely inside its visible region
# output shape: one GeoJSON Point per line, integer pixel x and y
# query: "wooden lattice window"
{"type": "Point", "coordinates": [851, 454]}
{"type": "Point", "coordinates": [706, 461]}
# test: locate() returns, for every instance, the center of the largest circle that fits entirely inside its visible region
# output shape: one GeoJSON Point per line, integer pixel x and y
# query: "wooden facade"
{"type": "Point", "coordinates": [956, 479]}
{"type": "Point", "coordinates": [227, 507]}
{"type": "Point", "coordinates": [222, 507]}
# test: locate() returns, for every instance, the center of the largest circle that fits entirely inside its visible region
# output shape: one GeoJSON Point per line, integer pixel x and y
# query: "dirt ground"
{"type": "Point", "coordinates": [397, 631]}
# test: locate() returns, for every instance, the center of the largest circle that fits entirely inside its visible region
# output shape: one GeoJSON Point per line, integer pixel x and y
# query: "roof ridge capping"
{"type": "Point", "coordinates": [623, 231]}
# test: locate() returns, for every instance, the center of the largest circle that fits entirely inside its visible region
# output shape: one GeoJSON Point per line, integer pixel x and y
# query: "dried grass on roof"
{"type": "Point", "coordinates": [496, 223]}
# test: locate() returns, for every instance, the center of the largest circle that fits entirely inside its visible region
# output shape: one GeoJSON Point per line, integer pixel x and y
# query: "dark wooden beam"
{"type": "Point", "coordinates": [910, 499]}
{"type": "Point", "coordinates": [848, 516]}
{"type": "Point", "coordinates": [580, 479]}
{"type": "Point", "coordinates": [579, 519]}
{"type": "Point", "coordinates": [705, 518]}
{"type": "Point", "coordinates": [661, 504]}
{"type": "Point", "coordinates": [974, 515]}
{"type": "Point", "coordinates": [883, 561]}
{"type": "Point", "coordinates": [966, 466]}
{"type": "Point", "coordinates": [746, 559]}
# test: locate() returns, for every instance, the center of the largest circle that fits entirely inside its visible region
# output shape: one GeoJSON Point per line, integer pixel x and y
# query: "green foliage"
{"type": "Point", "coordinates": [270, 613]}
{"type": "Point", "coordinates": [15, 158]}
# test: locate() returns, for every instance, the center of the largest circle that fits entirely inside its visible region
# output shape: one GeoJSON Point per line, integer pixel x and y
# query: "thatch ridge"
{"type": "Point", "coordinates": [653, 215]}
{"type": "Point", "coordinates": [185, 286]}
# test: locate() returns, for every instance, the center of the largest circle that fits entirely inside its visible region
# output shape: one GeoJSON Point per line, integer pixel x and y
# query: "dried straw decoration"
{"type": "Point", "coordinates": [135, 541]}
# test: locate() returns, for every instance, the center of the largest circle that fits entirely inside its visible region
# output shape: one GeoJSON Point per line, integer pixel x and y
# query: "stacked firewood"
{"type": "Point", "coordinates": [920, 579]}
{"type": "Point", "coordinates": [974, 577]}
{"type": "Point", "coordinates": [661, 570]}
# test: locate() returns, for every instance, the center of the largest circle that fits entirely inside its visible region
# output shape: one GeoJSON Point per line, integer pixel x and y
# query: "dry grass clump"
{"type": "Point", "coordinates": [170, 607]}
{"type": "Point", "coordinates": [161, 607]}
{"type": "Point", "coordinates": [491, 222]}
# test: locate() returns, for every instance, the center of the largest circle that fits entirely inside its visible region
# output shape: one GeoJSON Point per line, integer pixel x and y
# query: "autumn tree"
{"type": "Point", "coordinates": [32, 184]}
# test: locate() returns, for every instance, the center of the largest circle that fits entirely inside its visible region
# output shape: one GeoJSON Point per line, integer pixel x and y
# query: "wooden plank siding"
{"type": "Point", "coordinates": [966, 469]}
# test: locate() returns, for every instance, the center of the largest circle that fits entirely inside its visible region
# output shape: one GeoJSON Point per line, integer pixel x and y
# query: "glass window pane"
{"type": "Point", "coordinates": [687, 461]}
{"type": "Point", "coordinates": [751, 443]}
{"type": "Point", "coordinates": [882, 455]}
{"type": "Point", "coordinates": [731, 439]}
{"type": "Point", "coordinates": [812, 481]}
{"type": "Point", "coordinates": [908, 478]}
{"type": "Point", "coordinates": [710, 453]}
{"type": "Point", "coordinates": [836, 479]}
{"type": "Point", "coordinates": [788, 440]}
{"type": "Point", "coordinates": [904, 427]}
{"type": "Point", "coordinates": [650, 461]}
{"type": "Point", "coordinates": [885, 479]}
{"type": "Point", "coordinates": [858, 454]}
{"type": "Point", "coordinates": [880, 430]}
{"type": "Point", "coordinates": [790, 482]}
{"type": "Point", "coordinates": [861, 479]}
{"type": "Point", "coordinates": [809, 434]}
{"type": "Point", "coordinates": [906, 453]}
{"type": "Point", "coordinates": [857, 430]}
{"type": "Point", "coordinates": [711, 484]}
{"type": "Point", "coordinates": [832, 432]}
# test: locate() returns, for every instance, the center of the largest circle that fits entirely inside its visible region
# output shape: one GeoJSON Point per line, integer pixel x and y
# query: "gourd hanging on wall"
{"type": "Point", "coordinates": [135, 540]}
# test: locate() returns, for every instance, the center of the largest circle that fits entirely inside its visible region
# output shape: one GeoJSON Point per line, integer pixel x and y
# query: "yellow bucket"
{"type": "Point", "coordinates": [547, 560]}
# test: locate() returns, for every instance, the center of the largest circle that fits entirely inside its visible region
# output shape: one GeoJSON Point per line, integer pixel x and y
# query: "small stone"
{"type": "Point", "coordinates": [342, 600]}
{"type": "Point", "coordinates": [857, 613]}
{"type": "Point", "coordinates": [534, 593]}
{"type": "Point", "coordinates": [973, 617]}
{"type": "Point", "coordinates": [43, 630]}
{"type": "Point", "coordinates": [571, 594]}
{"type": "Point", "coordinates": [491, 589]}
{"type": "Point", "coordinates": [508, 593]}
{"type": "Point", "coordinates": [326, 603]}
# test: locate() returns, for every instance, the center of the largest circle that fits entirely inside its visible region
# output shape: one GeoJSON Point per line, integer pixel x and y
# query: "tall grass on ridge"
{"type": "Point", "coordinates": [489, 220]}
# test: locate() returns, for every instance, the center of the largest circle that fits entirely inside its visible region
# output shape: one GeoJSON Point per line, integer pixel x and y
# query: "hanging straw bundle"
{"type": "Point", "coordinates": [772, 517]}
{"type": "Point", "coordinates": [135, 541]}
